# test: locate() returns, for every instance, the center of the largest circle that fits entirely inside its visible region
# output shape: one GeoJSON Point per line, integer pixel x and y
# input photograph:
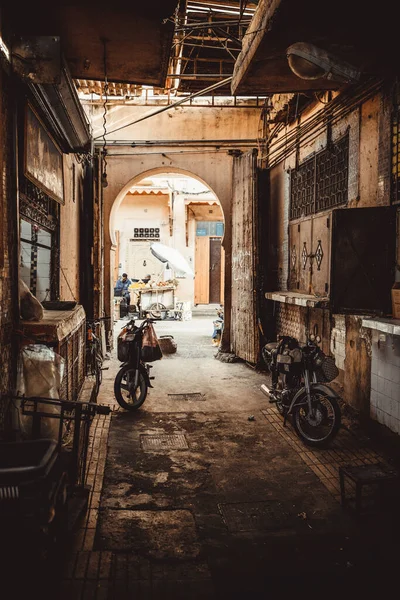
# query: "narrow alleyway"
{"type": "Point", "coordinates": [206, 495]}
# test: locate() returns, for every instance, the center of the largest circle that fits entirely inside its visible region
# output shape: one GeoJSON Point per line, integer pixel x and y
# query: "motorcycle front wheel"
{"type": "Point", "coordinates": [126, 397]}
{"type": "Point", "coordinates": [321, 426]}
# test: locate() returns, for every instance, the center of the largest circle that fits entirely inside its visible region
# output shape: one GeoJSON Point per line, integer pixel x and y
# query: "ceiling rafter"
{"type": "Point", "coordinates": [207, 35]}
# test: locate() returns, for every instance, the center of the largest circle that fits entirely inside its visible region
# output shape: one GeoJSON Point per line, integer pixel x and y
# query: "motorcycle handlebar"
{"type": "Point", "coordinates": [131, 323]}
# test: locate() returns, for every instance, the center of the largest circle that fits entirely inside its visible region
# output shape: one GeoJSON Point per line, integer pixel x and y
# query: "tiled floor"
{"type": "Point", "coordinates": [346, 449]}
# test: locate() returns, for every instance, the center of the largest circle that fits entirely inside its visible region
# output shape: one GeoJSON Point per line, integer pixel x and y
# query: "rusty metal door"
{"type": "Point", "coordinates": [244, 330]}
{"type": "Point", "coordinates": [294, 256]}
{"type": "Point", "coordinates": [363, 259]}
{"type": "Point", "coordinates": [215, 270]}
{"type": "Point", "coordinates": [305, 245]}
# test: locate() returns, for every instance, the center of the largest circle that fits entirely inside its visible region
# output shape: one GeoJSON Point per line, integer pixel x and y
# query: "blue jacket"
{"type": "Point", "coordinates": [123, 285]}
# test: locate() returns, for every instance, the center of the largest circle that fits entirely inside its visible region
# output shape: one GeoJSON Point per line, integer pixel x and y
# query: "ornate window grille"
{"type": "Point", "coordinates": [40, 210]}
{"type": "Point", "coordinates": [321, 182]}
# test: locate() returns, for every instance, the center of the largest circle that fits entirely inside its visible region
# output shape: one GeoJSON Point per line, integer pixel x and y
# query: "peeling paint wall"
{"type": "Point", "coordinates": [338, 341]}
{"type": "Point", "coordinates": [70, 229]}
{"type": "Point", "coordinates": [369, 168]}
{"type": "Point", "coordinates": [357, 365]}
{"type": "Point", "coordinates": [181, 122]}
{"type": "Point", "coordinates": [8, 245]}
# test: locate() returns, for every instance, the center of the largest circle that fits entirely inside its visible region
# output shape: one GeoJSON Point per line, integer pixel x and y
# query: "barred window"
{"type": "Point", "coordinates": [320, 182]}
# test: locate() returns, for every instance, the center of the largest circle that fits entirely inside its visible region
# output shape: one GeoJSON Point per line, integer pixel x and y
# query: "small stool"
{"type": "Point", "coordinates": [373, 475]}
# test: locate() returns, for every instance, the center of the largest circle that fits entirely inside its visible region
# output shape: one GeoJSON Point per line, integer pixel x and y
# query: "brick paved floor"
{"type": "Point", "coordinates": [94, 572]}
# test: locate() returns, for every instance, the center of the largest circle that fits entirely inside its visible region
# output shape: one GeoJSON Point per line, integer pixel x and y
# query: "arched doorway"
{"type": "Point", "coordinates": [177, 210]}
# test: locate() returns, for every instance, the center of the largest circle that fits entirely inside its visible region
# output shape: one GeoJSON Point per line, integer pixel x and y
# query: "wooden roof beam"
{"type": "Point", "coordinates": [254, 35]}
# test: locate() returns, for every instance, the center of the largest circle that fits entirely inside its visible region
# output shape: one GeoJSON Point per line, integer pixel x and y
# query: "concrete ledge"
{"type": "Point", "coordinates": [389, 326]}
{"type": "Point", "coordinates": [299, 299]}
{"type": "Point", "coordinates": [87, 391]}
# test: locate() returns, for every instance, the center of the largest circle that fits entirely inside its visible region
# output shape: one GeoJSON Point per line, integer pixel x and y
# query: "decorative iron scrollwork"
{"type": "Point", "coordinates": [304, 255]}
{"type": "Point", "coordinates": [319, 255]}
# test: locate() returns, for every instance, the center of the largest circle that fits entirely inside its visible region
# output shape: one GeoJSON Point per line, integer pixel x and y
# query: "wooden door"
{"type": "Point", "coordinates": [321, 250]}
{"type": "Point", "coordinates": [222, 274]}
{"type": "Point", "coordinates": [305, 246]}
{"type": "Point", "coordinates": [202, 273]}
{"type": "Point", "coordinates": [215, 270]}
{"type": "Point", "coordinates": [244, 329]}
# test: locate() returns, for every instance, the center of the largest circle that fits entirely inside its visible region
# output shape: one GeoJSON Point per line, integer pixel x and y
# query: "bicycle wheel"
{"type": "Point", "coordinates": [158, 311]}
{"type": "Point", "coordinates": [94, 363]}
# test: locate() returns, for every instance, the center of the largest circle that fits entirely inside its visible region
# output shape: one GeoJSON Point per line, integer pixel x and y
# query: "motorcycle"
{"type": "Point", "coordinates": [133, 379]}
{"type": "Point", "coordinates": [300, 373]}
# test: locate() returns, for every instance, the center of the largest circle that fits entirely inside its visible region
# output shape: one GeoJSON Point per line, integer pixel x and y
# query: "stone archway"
{"type": "Point", "coordinates": [147, 175]}
{"type": "Point", "coordinates": [213, 170]}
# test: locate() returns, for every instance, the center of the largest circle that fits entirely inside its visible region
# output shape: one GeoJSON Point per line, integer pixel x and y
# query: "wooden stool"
{"type": "Point", "coordinates": [373, 475]}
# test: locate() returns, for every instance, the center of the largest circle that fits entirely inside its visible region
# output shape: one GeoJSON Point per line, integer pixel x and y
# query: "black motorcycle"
{"type": "Point", "coordinates": [300, 373]}
{"type": "Point", "coordinates": [133, 379]}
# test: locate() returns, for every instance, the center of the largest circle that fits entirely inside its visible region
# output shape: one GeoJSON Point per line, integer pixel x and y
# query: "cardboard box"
{"type": "Point", "coordinates": [396, 300]}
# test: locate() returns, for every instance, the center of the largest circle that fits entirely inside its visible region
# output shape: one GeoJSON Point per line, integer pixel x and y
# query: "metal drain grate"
{"type": "Point", "coordinates": [164, 442]}
{"type": "Point", "coordinates": [188, 396]}
{"type": "Point", "coordinates": [250, 516]}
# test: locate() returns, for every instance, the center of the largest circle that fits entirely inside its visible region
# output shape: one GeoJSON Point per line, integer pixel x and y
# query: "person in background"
{"type": "Point", "coordinates": [218, 327]}
{"type": "Point", "coordinates": [122, 285]}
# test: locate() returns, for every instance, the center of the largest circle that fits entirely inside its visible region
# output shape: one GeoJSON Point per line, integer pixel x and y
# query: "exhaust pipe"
{"type": "Point", "coordinates": [268, 392]}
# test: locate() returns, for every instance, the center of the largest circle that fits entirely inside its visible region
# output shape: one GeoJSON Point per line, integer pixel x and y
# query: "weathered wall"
{"type": "Point", "coordinates": [70, 229]}
{"type": "Point", "coordinates": [8, 244]}
{"type": "Point", "coordinates": [369, 142]}
{"type": "Point", "coordinates": [357, 365]}
{"type": "Point", "coordinates": [182, 123]}
{"type": "Point", "coordinates": [141, 210]}
{"type": "Point", "coordinates": [278, 228]}
{"type": "Point", "coordinates": [369, 167]}
{"type": "Point", "coordinates": [298, 322]}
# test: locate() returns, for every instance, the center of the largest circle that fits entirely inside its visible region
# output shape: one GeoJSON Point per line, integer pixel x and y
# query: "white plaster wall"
{"type": "Point", "coordinates": [338, 341]}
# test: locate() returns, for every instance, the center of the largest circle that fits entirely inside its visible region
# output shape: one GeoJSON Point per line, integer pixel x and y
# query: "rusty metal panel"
{"type": "Point", "coordinates": [363, 259]}
{"type": "Point", "coordinates": [37, 59]}
{"type": "Point", "coordinates": [305, 244]}
{"type": "Point", "coordinates": [321, 249]}
{"type": "Point", "coordinates": [294, 256]}
{"type": "Point", "coordinates": [244, 330]}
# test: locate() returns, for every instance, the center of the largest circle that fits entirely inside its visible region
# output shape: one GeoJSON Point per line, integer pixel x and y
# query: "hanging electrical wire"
{"type": "Point", "coordinates": [310, 128]}
{"type": "Point", "coordinates": [104, 181]}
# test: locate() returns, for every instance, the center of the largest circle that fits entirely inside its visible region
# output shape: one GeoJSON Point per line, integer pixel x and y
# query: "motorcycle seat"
{"type": "Point", "coordinates": [271, 345]}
